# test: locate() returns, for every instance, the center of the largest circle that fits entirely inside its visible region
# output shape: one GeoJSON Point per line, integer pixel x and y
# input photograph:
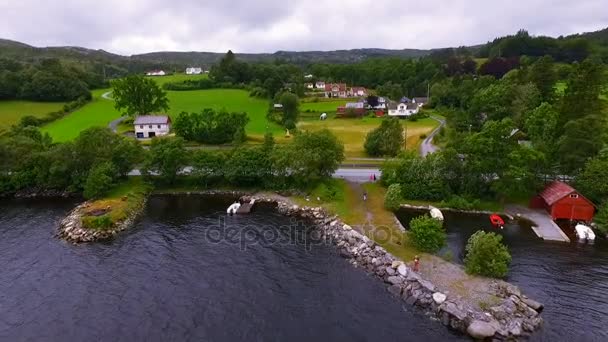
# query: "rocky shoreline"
{"type": "Point", "coordinates": [71, 229]}
{"type": "Point", "coordinates": [514, 317]}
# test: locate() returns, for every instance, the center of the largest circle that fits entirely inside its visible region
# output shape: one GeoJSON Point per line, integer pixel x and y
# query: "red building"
{"type": "Point", "coordinates": [563, 202]}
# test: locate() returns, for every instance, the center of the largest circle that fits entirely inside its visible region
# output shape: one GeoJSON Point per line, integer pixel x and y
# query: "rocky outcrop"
{"type": "Point", "coordinates": [72, 230]}
{"type": "Point", "coordinates": [515, 316]}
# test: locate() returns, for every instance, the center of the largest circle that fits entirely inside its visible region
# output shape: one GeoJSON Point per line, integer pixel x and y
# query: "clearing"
{"type": "Point", "coordinates": [352, 132]}
{"type": "Point", "coordinates": [12, 111]}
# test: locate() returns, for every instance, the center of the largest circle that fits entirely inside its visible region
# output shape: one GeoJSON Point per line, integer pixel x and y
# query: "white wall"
{"type": "Point", "coordinates": [146, 129]}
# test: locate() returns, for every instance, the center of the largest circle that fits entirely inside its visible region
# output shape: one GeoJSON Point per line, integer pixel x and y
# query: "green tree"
{"type": "Point", "coordinates": [391, 90]}
{"type": "Point", "coordinates": [209, 166]}
{"type": "Point", "coordinates": [581, 97]}
{"type": "Point", "coordinates": [393, 198]}
{"type": "Point", "coordinates": [541, 126]}
{"type": "Point", "coordinates": [291, 110]}
{"type": "Point", "coordinates": [542, 74]}
{"type": "Point", "coordinates": [386, 140]}
{"type": "Point", "coordinates": [601, 219]}
{"type": "Point", "coordinates": [427, 233]}
{"type": "Point", "coordinates": [166, 158]}
{"type": "Point", "coordinates": [592, 181]}
{"type": "Point", "coordinates": [494, 101]}
{"type": "Point", "coordinates": [521, 178]}
{"type": "Point", "coordinates": [248, 166]}
{"type": "Point", "coordinates": [582, 140]}
{"type": "Point", "coordinates": [487, 255]}
{"type": "Point", "coordinates": [137, 95]}
{"type": "Point", "coordinates": [100, 180]}
{"type": "Point", "coordinates": [211, 127]}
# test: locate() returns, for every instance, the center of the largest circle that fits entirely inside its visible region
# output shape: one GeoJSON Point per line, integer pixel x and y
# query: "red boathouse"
{"type": "Point", "coordinates": [563, 202]}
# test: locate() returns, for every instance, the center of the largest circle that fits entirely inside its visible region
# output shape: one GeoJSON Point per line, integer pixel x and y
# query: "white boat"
{"type": "Point", "coordinates": [584, 233]}
{"type": "Point", "coordinates": [436, 214]}
{"type": "Point", "coordinates": [233, 208]}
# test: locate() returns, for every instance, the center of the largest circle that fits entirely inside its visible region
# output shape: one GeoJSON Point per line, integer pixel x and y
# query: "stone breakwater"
{"type": "Point", "coordinates": [515, 316]}
{"type": "Point", "coordinates": [72, 230]}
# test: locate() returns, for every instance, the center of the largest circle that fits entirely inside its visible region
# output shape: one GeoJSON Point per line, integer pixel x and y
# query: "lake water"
{"type": "Point", "coordinates": [570, 279]}
{"type": "Point", "coordinates": [169, 279]}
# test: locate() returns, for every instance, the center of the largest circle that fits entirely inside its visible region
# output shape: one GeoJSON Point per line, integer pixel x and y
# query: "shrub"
{"type": "Point", "coordinates": [329, 191]}
{"type": "Point", "coordinates": [386, 140]}
{"type": "Point", "coordinates": [100, 180]}
{"type": "Point", "coordinates": [460, 203]}
{"type": "Point", "coordinates": [392, 199]}
{"type": "Point", "coordinates": [427, 234]}
{"type": "Point", "coordinates": [487, 255]}
{"type": "Point", "coordinates": [601, 219]}
{"type": "Point", "coordinates": [97, 222]}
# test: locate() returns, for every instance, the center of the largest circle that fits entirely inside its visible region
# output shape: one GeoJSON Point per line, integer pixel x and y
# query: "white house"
{"type": "Point", "coordinates": [156, 73]}
{"type": "Point", "coordinates": [382, 102]}
{"type": "Point", "coordinates": [402, 109]}
{"type": "Point", "coordinates": [310, 86]}
{"type": "Point", "coordinates": [357, 92]}
{"type": "Point", "coordinates": [420, 101]}
{"type": "Point", "coordinates": [320, 85]}
{"type": "Point", "coordinates": [194, 71]}
{"type": "Point", "coordinates": [150, 126]}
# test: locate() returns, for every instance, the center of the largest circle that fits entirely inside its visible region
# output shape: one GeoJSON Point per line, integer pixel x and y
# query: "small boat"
{"type": "Point", "coordinates": [233, 208]}
{"type": "Point", "coordinates": [436, 214]}
{"type": "Point", "coordinates": [584, 233]}
{"type": "Point", "coordinates": [497, 221]}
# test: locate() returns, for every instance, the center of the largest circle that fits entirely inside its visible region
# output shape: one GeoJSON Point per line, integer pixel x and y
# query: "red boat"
{"type": "Point", "coordinates": [497, 221]}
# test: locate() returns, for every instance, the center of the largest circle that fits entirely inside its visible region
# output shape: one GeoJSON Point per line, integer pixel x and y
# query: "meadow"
{"type": "Point", "coordinates": [352, 132]}
{"type": "Point", "coordinates": [12, 111]}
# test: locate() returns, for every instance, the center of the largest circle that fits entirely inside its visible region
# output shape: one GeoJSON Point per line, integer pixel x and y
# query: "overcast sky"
{"type": "Point", "coordinates": [138, 26]}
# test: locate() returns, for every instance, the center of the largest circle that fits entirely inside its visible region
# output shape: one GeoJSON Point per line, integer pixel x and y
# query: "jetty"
{"type": "Point", "coordinates": [543, 225]}
{"type": "Point", "coordinates": [246, 208]}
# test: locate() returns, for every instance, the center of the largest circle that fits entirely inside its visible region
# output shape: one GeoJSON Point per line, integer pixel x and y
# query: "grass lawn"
{"type": "Point", "coordinates": [352, 132]}
{"type": "Point", "coordinates": [99, 112]}
{"type": "Point", "coordinates": [176, 78]}
{"type": "Point", "coordinates": [322, 107]}
{"type": "Point", "coordinates": [12, 111]}
{"type": "Point", "coordinates": [233, 100]}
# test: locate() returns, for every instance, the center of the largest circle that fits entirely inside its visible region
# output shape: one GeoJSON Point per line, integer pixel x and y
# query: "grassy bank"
{"type": "Point", "coordinates": [118, 205]}
{"type": "Point", "coordinates": [11, 112]}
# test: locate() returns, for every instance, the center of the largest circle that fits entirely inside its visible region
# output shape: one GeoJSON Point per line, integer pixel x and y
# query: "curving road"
{"type": "Point", "coordinates": [427, 146]}
{"type": "Point", "coordinates": [113, 125]}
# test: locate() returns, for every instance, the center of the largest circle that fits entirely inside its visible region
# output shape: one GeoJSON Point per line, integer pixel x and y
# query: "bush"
{"type": "Point", "coordinates": [487, 255]}
{"type": "Point", "coordinates": [329, 191]}
{"type": "Point", "coordinates": [392, 199]}
{"type": "Point", "coordinates": [427, 234]}
{"type": "Point", "coordinates": [100, 180]}
{"type": "Point", "coordinates": [460, 203]}
{"type": "Point", "coordinates": [386, 140]}
{"type": "Point", "coordinates": [97, 222]}
{"type": "Point", "coordinates": [601, 219]}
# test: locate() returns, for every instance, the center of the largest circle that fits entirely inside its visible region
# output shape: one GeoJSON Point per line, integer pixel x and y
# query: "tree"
{"type": "Point", "coordinates": [427, 233]}
{"type": "Point", "coordinates": [393, 198]}
{"type": "Point", "coordinates": [100, 180]}
{"type": "Point", "coordinates": [372, 101]}
{"type": "Point", "coordinates": [291, 110]}
{"type": "Point", "coordinates": [248, 166]}
{"type": "Point", "coordinates": [391, 90]}
{"type": "Point", "coordinates": [137, 95]}
{"type": "Point", "coordinates": [487, 255]}
{"type": "Point", "coordinates": [582, 140]}
{"type": "Point", "coordinates": [541, 127]}
{"type": "Point", "coordinates": [469, 66]}
{"type": "Point", "coordinates": [166, 158]}
{"type": "Point", "coordinates": [543, 75]}
{"type": "Point", "coordinates": [211, 127]}
{"type": "Point", "coordinates": [601, 219]}
{"type": "Point", "coordinates": [494, 101]}
{"type": "Point", "coordinates": [209, 166]}
{"type": "Point", "coordinates": [386, 140]}
{"type": "Point", "coordinates": [521, 177]}
{"type": "Point", "coordinates": [583, 87]}
{"type": "Point", "coordinates": [592, 181]}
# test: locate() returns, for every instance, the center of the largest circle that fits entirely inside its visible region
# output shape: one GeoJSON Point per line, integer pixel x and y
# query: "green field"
{"type": "Point", "coordinates": [99, 112]}
{"type": "Point", "coordinates": [352, 132]}
{"type": "Point", "coordinates": [324, 106]}
{"type": "Point", "coordinates": [176, 78]}
{"type": "Point", "coordinates": [12, 111]}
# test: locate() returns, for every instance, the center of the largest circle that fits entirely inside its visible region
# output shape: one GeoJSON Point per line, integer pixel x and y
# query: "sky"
{"type": "Point", "coordinates": [139, 26]}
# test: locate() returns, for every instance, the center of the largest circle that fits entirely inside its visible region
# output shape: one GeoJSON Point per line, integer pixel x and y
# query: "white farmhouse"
{"type": "Point", "coordinates": [156, 73]}
{"type": "Point", "coordinates": [320, 85]}
{"type": "Point", "coordinates": [150, 126]}
{"type": "Point", "coordinates": [194, 71]}
{"type": "Point", "coordinates": [402, 109]}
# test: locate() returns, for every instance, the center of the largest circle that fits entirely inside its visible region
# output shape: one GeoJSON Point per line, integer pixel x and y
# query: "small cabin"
{"type": "Point", "coordinates": [563, 202]}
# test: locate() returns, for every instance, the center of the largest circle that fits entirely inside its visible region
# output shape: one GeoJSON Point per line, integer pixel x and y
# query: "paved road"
{"type": "Point", "coordinates": [113, 125]}
{"type": "Point", "coordinates": [107, 96]}
{"type": "Point", "coordinates": [427, 146]}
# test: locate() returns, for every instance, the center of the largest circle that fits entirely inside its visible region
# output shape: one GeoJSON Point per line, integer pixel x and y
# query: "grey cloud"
{"type": "Point", "coordinates": [136, 26]}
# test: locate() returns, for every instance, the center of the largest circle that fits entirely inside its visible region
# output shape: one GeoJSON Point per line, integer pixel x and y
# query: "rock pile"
{"type": "Point", "coordinates": [72, 230]}
{"type": "Point", "coordinates": [514, 317]}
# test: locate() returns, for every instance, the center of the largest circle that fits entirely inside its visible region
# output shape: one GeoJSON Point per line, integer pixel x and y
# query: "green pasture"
{"type": "Point", "coordinates": [12, 111]}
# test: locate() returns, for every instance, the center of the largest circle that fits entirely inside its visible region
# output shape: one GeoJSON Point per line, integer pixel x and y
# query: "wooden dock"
{"type": "Point", "coordinates": [544, 226]}
{"type": "Point", "coordinates": [246, 208]}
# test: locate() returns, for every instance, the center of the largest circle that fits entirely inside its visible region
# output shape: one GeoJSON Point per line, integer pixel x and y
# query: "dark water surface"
{"type": "Point", "coordinates": [571, 279]}
{"type": "Point", "coordinates": [166, 281]}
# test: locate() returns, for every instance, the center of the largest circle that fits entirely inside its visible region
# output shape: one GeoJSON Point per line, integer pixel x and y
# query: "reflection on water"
{"type": "Point", "coordinates": [571, 279]}
{"type": "Point", "coordinates": [165, 281]}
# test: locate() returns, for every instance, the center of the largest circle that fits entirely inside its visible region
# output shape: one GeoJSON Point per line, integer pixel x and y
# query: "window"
{"type": "Point", "coordinates": [158, 126]}
{"type": "Point", "coordinates": [574, 196]}
{"type": "Point", "coordinates": [141, 126]}
{"type": "Point", "coordinates": [150, 126]}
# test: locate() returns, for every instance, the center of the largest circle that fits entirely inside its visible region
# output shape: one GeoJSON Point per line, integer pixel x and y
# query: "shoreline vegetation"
{"type": "Point", "coordinates": [364, 232]}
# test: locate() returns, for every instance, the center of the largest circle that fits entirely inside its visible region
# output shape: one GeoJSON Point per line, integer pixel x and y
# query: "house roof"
{"type": "Point", "coordinates": [555, 191]}
{"type": "Point", "coordinates": [405, 99]}
{"type": "Point", "coordinates": [411, 106]}
{"type": "Point", "coordinates": [421, 99]}
{"type": "Point", "coordinates": [152, 120]}
{"type": "Point", "coordinates": [395, 105]}
{"type": "Point", "coordinates": [354, 105]}
{"type": "Point", "coordinates": [340, 86]}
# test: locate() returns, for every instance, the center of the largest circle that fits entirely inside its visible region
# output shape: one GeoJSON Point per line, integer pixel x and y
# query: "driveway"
{"type": "Point", "coordinates": [427, 146]}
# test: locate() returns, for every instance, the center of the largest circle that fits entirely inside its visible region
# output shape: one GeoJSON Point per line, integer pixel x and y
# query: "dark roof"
{"type": "Point", "coordinates": [411, 106]}
{"type": "Point", "coordinates": [151, 120]}
{"type": "Point", "coordinates": [555, 191]}
{"type": "Point", "coordinates": [421, 99]}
